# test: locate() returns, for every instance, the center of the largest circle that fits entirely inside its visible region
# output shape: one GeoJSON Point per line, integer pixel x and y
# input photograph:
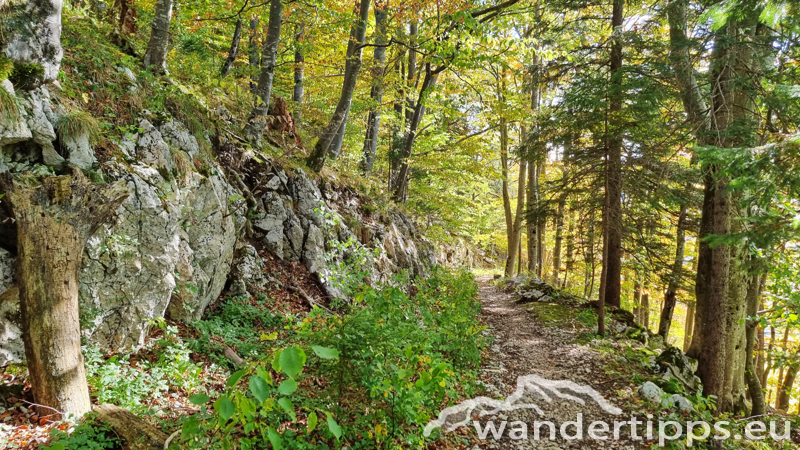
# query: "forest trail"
{"type": "Point", "coordinates": [524, 345]}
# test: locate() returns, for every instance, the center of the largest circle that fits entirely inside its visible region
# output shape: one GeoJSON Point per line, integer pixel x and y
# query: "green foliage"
{"type": "Point", "coordinates": [6, 66]}
{"type": "Point", "coordinates": [243, 325]}
{"type": "Point", "coordinates": [90, 434]}
{"type": "Point", "coordinates": [73, 124]}
{"type": "Point", "coordinates": [26, 75]}
{"type": "Point", "coordinates": [398, 357]}
{"type": "Point", "coordinates": [116, 380]}
{"type": "Point", "coordinates": [9, 109]}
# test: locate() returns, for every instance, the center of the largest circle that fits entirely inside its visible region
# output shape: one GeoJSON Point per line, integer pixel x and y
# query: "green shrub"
{"type": "Point", "coordinates": [89, 435]}
{"type": "Point", "coordinates": [75, 123]}
{"type": "Point", "coordinates": [26, 75]}
{"type": "Point", "coordinates": [6, 66]}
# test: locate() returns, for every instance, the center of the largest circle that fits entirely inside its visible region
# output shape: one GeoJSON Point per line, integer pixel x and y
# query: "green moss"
{"type": "Point", "coordinates": [27, 75]}
{"type": "Point", "coordinates": [552, 314]}
{"type": "Point", "coordinates": [75, 123]}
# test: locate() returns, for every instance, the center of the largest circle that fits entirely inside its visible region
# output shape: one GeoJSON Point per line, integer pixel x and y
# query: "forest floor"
{"type": "Point", "coordinates": [549, 341]}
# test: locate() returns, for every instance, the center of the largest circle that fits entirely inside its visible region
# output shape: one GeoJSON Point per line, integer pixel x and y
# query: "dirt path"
{"type": "Point", "coordinates": [524, 345]}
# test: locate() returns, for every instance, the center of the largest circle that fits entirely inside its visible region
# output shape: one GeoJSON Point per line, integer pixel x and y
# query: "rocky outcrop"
{"type": "Point", "coordinates": [178, 240]}
{"type": "Point", "coordinates": [33, 31]}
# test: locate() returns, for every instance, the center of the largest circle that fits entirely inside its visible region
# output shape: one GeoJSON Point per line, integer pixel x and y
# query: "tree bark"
{"type": "Point", "coordinates": [751, 376]}
{"type": "Point", "coordinates": [504, 182]}
{"type": "Point", "coordinates": [299, 68]}
{"type": "Point", "coordinates": [785, 391]}
{"type": "Point", "coordinates": [637, 300]}
{"type": "Point", "coordinates": [516, 232]}
{"type": "Point", "coordinates": [570, 248]}
{"type": "Point", "coordinates": [376, 93]}
{"type": "Point", "coordinates": [237, 36]}
{"type": "Point", "coordinates": [54, 221]}
{"type": "Point", "coordinates": [156, 55]}
{"type": "Point", "coordinates": [325, 144]}
{"type": "Point", "coordinates": [688, 328]}
{"type": "Point", "coordinates": [253, 55]}
{"type": "Point", "coordinates": [722, 278]}
{"type": "Point", "coordinates": [671, 297]}
{"type": "Point", "coordinates": [269, 56]}
{"type": "Point", "coordinates": [562, 201]}
{"type": "Point", "coordinates": [614, 161]}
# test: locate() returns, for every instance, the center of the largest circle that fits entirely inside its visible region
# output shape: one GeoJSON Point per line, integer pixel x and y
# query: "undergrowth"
{"type": "Point", "coordinates": [372, 377]}
{"type": "Point", "coordinates": [74, 124]}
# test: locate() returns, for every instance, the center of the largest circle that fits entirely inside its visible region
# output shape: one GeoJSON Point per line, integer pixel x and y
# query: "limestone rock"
{"type": "Point", "coordinates": [679, 402]}
{"type": "Point", "coordinates": [12, 348]}
{"type": "Point", "coordinates": [651, 392]}
{"type": "Point", "coordinates": [80, 151]}
{"type": "Point", "coordinates": [151, 148]}
{"type": "Point", "coordinates": [16, 130]}
{"type": "Point", "coordinates": [34, 35]}
{"type": "Point", "coordinates": [178, 136]}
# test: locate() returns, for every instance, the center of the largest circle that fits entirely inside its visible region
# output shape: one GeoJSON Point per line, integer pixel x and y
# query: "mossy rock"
{"type": "Point", "coordinates": [26, 76]}
{"type": "Point", "coordinates": [551, 313]}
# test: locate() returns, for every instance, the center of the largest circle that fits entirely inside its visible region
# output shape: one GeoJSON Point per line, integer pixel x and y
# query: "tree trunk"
{"type": "Point", "coordinates": [722, 278]}
{"type": "Point", "coordinates": [670, 299]}
{"type": "Point", "coordinates": [54, 221]}
{"type": "Point", "coordinates": [253, 54]}
{"type": "Point", "coordinates": [751, 376]}
{"type": "Point", "coordinates": [299, 68]}
{"type": "Point", "coordinates": [269, 55]}
{"type": "Point", "coordinates": [559, 238]}
{"type": "Point", "coordinates": [637, 300]}
{"type": "Point", "coordinates": [237, 36]}
{"type": "Point", "coordinates": [156, 54]}
{"type": "Point", "coordinates": [614, 173]}
{"type": "Point", "coordinates": [504, 182]}
{"type": "Point", "coordinates": [768, 358]}
{"type": "Point", "coordinates": [324, 146]}
{"type": "Point", "coordinates": [785, 391]}
{"type": "Point", "coordinates": [376, 93]}
{"type": "Point", "coordinates": [570, 248]}
{"type": "Point", "coordinates": [541, 225]}
{"type": "Point", "coordinates": [400, 190]}
{"type": "Point", "coordinates": [646, 310]}
{"type": "Point", "coordinates": [516, 232]}
{"type": "Point", "coordinates": [588, 261]}
{"type": "Point", "coordinates": [688, 328]}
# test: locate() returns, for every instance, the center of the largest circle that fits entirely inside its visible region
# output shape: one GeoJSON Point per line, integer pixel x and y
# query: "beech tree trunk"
{"type": "Point", "coordinates": [253, 55]}
{"type": "Point", "coordinates": [237, 36]}
{"type": "Point", "coordinates": [299, 67]}
{"type": "Point", "coordinates": [559, 238]}
{"type": "Point", "coordinates": [504, 182]}
{"type": "Point", "coordinates": [570, 248]}
{"type": "Point", "coordinates": [326, 142]}
{"type": "Point", "coordinates": [671, 297]}
{"type": "Point", "coordinates": [688, 328]}
{"type": "Point", "coordinates": [156, 55]}
{"type": "Point", "coordinates": [646, 310]}
{"type": "Point", "coordinates": [516, 231]}
{"type": "Point", "coordinates": [614, 162]}
{"type": "Point", "coordinates": [637, 300]}
{"type": "Point", "coordinates": [785, 391]}
{"type": "Point", "coordinates": [54, 221]}
{"type": "Point", "coordinates": [376, 93]}
{"type": "Point", "coordinates": [269, 55]}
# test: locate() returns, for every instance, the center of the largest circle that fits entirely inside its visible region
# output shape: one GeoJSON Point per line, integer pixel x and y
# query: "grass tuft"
{"type": "Point", "coordinates": [75, 123]}
{"type": "Point", "coordinates": [9, 109]}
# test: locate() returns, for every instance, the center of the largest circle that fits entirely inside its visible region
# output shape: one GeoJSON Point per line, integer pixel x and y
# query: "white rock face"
{"type": "Point", "coordinates": [679, 402]}
{"type": "Point", "coordinates": [651, 392]}
{"type": "Point", "coordinates": [35, 34]}
{"type": "Point", "coordinates": [178, 136]}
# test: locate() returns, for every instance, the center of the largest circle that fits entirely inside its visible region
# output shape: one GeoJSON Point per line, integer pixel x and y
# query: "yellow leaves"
{"type": "Point", "coordinates": [269, 337]}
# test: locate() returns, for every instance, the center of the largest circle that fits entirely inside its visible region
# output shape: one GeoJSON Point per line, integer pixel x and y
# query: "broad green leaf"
{"type": "Point", "coordinates": [190, 428]}
{"type": "Point", "coordinates": [199, 399]}
{"type": "Point", "coordinates": [263, 373]}
{"type": "Point", "coordinates": [287, 406]}
{"type": "Point", "coordinates": [234, 378]}
{"type": "Point", "coordinates": [333, 426]}
{"type": "Point", "coordinates": [325, 352]}
{"type": "Point", "coordinates": [287, 387]}
{"type": "Point", "coordinates": [312, 422]}
{"type": "Point", "coordinates": [276, 361]}
{"type": "Point", "coordinates": [292, 360]}
{"type": "Point", "coordinates": [259, 388]}
{"type": "Point", "coordinates": [225, 408]}
{"type": "Point", "coordinates": [274, 439]}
